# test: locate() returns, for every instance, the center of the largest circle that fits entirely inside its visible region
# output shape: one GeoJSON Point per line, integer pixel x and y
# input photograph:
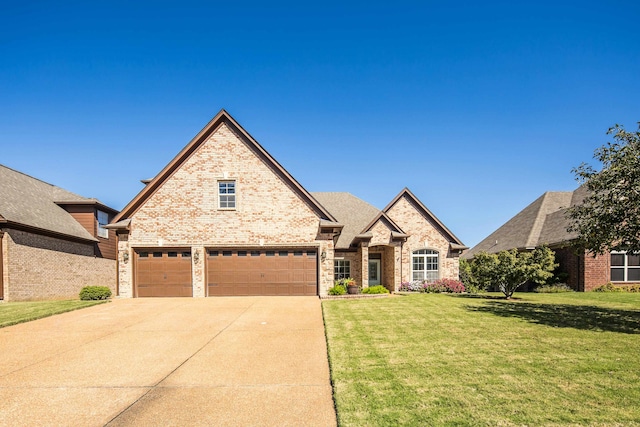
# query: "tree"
{"type": "Point", "coordinates": [608, 219]}
{"type": "Point", "coordinates": [511, 269]}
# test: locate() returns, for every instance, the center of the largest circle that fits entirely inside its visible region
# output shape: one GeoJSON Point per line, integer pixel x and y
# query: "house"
{"type": "Point", "coordinates": [52, 242]}
{"type": "Point", "coordinates": [225, 218]}
{"type": "Point", "coordinates": [545, 222]}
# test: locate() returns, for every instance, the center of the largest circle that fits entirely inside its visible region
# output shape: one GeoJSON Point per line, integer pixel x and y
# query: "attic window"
{"type": "Point", "coordinates": [227, 194]}
{"type": "Point", "coordinates": [103, 219]}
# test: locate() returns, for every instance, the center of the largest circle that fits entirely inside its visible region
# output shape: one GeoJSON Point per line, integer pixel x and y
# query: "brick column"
{"type": "Point", "coordinates": [125, 266]}
{"type": "Point", "coordinates": [364, 253]}
{"type": "Point", "coordinates": [198, 280]}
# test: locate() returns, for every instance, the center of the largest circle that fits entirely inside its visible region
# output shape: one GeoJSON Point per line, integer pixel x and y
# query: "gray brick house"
{"type": "Point", "coordinates": [225, 218]}
{"type": "Point", "coordinates": [52, 242]}
{"type": "Point", "coordinates": [544, 222]}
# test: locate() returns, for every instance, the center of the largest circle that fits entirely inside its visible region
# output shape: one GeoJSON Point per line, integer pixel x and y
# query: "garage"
{"type": "Point", "coordinates": [262, 272]}
{"type": "Point", "coordinates": [163, 273]}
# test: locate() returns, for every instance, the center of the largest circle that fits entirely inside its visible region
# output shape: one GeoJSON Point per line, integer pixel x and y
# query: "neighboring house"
{"type": "Point", "coordinates": [225, 218]}
{"type": "Point", "coordinates": [544, 222]}
{"type": "Point", "coordinates": [52, 242]}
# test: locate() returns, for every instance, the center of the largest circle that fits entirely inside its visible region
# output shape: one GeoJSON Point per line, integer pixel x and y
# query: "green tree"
{"type": "Point", "coordinates": [467, 277]}
{"type": "Point", "coordinates": [511, 269]}
{"type": "Point", "coordinates": [609, 216]}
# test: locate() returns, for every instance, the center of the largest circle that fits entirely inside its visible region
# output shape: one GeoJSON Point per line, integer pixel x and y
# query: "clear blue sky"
{"type": "Point", "coordinates": [477, 107]}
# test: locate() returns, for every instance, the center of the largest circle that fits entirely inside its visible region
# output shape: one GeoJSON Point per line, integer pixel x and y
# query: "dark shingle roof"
{"type": "Point", "coordinates": [354, 213]}
{"type": "Point", "coordinates": [28, 201]}
{"type": "Point", "coordinates": [543, 222]}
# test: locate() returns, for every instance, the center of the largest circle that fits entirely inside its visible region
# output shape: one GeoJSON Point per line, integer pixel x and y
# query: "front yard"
{"type": "Point", "coordinates": [435, 359]}
{"type": "Point", "coordinates": [12, 313]}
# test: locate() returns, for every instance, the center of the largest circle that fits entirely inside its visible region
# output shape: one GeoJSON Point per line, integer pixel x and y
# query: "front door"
{"type": "Point", "coordinates": [374, 272]}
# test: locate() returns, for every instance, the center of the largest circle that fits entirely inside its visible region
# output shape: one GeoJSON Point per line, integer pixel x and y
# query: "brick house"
{"type": "Point", "coordinates": [544, 222]}
{"type": "Point", "coordinates": [225, 218]}
{"type": "Point", "coordinates": [52, 242]}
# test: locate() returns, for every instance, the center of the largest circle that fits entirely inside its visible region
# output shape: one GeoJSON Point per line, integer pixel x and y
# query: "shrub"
{"type": "Point", "coordinates": [445, 286]}
{"type": "Point", "coordinates": [337, 290]}
{"type": "Point", "coordinates": [553, 289]}
{"type": "Point", "coordinates": [610, 287]}
{"type": "Point", "coordinates": [438, 286]}
{"type": "Point", "coordinates": [414, 286]}
{"type": "Point", "coordinates": [379, 289]}
{"type": "Point", "coordinates": [95, 293]}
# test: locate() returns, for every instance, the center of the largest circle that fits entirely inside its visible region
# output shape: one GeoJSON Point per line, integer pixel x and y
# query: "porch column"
{"type": "Point", "coordinates": [364, 262]}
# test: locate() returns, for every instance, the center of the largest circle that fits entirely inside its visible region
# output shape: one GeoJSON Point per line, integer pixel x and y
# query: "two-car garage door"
{"type": "Point", "coordinates": [228, 272]}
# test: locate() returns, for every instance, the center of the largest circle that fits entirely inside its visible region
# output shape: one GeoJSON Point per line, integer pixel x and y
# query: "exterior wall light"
{"type": "Point", "coordinates": [196, 256]}
{"type": "Point", "coordinates": [125, 257]}
{"type": "Point", "coordinates": [323, 255]}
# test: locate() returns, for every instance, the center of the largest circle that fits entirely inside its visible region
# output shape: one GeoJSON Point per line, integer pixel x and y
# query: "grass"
{"type": "Point", "coordinates": [434, 359]}
{"type": "Point", "coordinates": [12, 313]}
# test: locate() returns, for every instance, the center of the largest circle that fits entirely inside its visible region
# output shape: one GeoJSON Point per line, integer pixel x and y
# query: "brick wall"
{"type": "Point", "coordinates": [596, 270]}
{"type": "Point", "coordinates": [423, 235]}
{"type": "Point", "coordinates": [184, 210]}
{"type": "Point", "coordinates": [41, 267]}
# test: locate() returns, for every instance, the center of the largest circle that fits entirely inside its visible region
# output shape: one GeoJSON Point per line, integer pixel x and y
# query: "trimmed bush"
{"type": "Point", "coordinates": [95, 293]}
{"type": "Point", "coordinates": [338, 290]}
{"type": "Point", "coordinates": [379, 289]}
{"type": "Point", "coordinates": [415, 286]}
{"type": "Point", "coordinates": [436, 287]}
{"type": "Point", "coordinates": [553, 289]}
{"type": "Point", "coordinates": [610, 287]}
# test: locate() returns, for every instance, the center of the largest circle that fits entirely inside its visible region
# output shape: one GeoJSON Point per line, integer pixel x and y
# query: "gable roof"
{"type": "Point", "coordinates": [543, 222]}
{"type": "Point", "coordinates": [211, 127]}
{"type": "Point", "coordinates": [29, 202]}
{"type": "Point", "coordinates": [352, 212]}
{"type": "Point", "coordinates": [427, 214]}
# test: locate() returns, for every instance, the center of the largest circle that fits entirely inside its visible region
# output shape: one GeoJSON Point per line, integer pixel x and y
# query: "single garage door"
{"type": "Point", "coordinates": [262, 272]}
{"type": "Point", "coordinates": [163, 273]}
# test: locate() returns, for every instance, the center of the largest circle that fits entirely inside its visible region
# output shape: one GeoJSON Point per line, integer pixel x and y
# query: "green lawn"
{"type": "Point", "coordinates": [12, 313]}
{"type": "Point", "coordinates": [434, 359]}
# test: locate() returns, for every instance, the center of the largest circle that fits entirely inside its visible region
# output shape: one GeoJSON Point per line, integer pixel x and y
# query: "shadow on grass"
{"type": "Point", "coordinates": [482, 296]}
{"type": "Point", "coordinates": [566, 316]}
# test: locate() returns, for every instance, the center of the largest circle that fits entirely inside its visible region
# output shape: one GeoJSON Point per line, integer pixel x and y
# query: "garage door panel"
{"type": "Point", "coordinates": [261, 272]}
{"type": "Point", "coordinates": [163, 273]}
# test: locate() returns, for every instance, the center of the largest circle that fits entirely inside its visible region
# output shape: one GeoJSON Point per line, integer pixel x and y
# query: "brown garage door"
{"type": "Point", "coordinates": [262, 272]}
{"type": "Point", "coordinates": [163, 273]}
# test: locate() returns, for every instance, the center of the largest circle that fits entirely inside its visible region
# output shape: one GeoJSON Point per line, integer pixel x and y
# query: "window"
{"type": "Point", "coordinates": [227, 194]}
{"type": "Point", "coordinates": [424, 265]}
{"type": "Point", "coordinates": [341, 269]}
{"type": "Point", "coordinates": [625, 267]}
{"type": "Point", "coordinates": [103, 219]}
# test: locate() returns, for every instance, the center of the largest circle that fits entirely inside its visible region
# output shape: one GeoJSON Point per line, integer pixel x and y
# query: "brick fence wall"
{"type": "Point", "coordinates": [42, 268]}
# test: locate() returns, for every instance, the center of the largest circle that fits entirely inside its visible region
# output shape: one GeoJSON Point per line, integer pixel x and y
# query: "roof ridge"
{"type": "Point", "coordinates": [53, 186]}
{"type": "Point", "coordinates": [28, 176]}
{"type": "Point", "coordinates": [546, 208]}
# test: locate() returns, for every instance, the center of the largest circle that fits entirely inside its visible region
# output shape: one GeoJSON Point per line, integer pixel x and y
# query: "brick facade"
{"type": "Point", "coordinates": [423, 234]}
{"type": "Point", "coordinates": [184, 212]}
{"type": "Point", "coordinates": [40, 267]}
{"type": "Point", "coordinates": [597, 270]}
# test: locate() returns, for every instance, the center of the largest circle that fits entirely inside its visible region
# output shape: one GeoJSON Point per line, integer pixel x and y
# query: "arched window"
{"type": "Point", "coordinates": [424, 265]}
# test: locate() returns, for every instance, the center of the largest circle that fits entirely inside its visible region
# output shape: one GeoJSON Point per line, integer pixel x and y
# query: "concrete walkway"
{"type": "Point", "coordinates": [173, 362]}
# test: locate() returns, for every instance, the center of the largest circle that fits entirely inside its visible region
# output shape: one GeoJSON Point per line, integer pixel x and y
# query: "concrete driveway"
{"type": "Point", "coordinates": [175, 361]}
